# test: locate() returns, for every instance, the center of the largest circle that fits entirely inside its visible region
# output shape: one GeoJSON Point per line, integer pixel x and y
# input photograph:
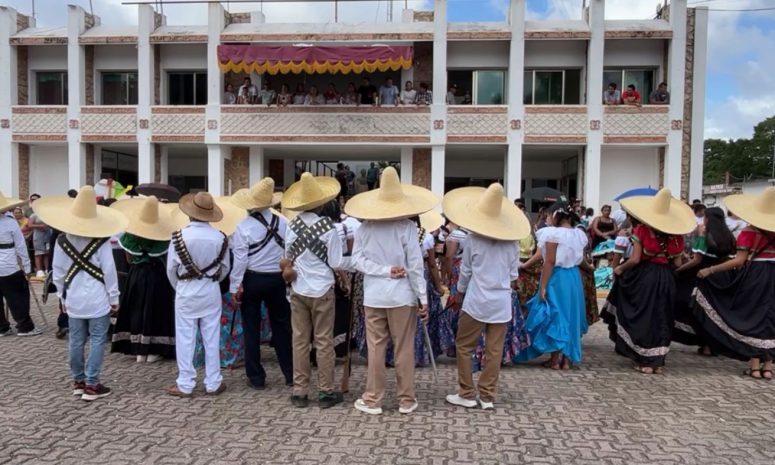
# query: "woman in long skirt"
{"type": "Point", "coordinates": [713, 245]}
{"type": "Point", "coordinates": [735, 300]}
{"type": "Point", "coordinates": [455, 244]}
{"type": "Point", "coordinates": [640, 308]}
{"type": "Point", "coordinates": [556, 319]}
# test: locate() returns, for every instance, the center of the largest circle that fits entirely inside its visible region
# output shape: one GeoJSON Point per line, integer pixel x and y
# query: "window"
{"type": "Point", "coordinates": [552, 87]}
{"type": "Point", "coordinates": [51, 87]}
{"type": "Point", "coordinates": [642, 79]}
{"type": "Point", "coordinates": [122, 167]}
{"type": "Point", "coordinates": [119, 88]}
{"type": "Point", "coordinates": [487, 87]}
{"type": "Point", "coordinates": [187, 88]}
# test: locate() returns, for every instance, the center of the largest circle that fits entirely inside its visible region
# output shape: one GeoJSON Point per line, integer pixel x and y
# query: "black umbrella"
{"type": "Point", "coordinates": [544, 194]}
{"type": "Point", "coordinates": [163, 192]}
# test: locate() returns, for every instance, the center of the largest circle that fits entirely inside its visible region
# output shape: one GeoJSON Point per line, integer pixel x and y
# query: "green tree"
{"type": "Point", "coordinates": [742, 158]}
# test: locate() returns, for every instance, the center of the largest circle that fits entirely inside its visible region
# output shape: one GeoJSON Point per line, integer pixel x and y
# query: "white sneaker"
{"type": "Point", "coordinates": [486, 405]}
{"type": "Point", "coordinates": [408, 410]}
{"type": "Point", "coordinates": [361, 405]}
{"type": "Point", "coordinates": [141, 358]}
{"type": "Point", "coordinates": [153, 358]}
{"type": "Point", "coordinates": [455, 399]}
{"type": "Point", "coordinates": [33, 332]}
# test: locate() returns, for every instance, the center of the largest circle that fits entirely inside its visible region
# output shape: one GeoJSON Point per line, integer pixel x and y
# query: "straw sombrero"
{"type": "Point", "coordinates": [661, 212]}
{"type": "Point", "coordinates": [261, 195]}
{"type": "Point", "coordinates": [80, 216]}
{"type": "Point", "coordinates": [150, 219]}
{"type": "Point", "coordinates": [232, 216]}
{"type": "Point", "coordinates": [486, 212]}
{"type": "Point", "coordinates": [392, 201]}
{"type": "Point", "coordinates": [431, 220]}
{"type": "Point", "coordinates": [757, 210]}
{"type": "Point", "coordinates": [201, 206]}
{"type": "Point", "coordinates": [310, 192]}
{"type": "Point", "coordinates": [8, 203]}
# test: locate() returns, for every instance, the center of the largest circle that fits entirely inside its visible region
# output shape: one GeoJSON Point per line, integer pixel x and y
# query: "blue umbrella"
{"type": "Point", "coordinates": [648, 191]}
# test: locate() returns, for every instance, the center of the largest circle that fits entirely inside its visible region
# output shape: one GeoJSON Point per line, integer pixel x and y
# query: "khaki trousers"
{"type": "Point", "coordinates": [468, 332]}
{"type": "Point", "coordinates": [313, 316]}
{"type": "Point", "coordinates": [400, 323]}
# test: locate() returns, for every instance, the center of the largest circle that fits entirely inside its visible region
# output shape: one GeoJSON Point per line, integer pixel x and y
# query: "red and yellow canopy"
{"type": "Point", "coordinates": [313, 60]}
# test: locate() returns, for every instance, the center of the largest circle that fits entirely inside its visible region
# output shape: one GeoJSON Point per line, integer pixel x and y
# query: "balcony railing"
{"type": "Point", "coordinates": [108, 124]}
{"type": "Point", "coordinates": [39, 123]}
{"type": "Point", "coordinates": [481, 123]}
{"type": "Point", "coordinates": [556, 124]}
{"type": "Point", "coordinates": [177, 123]}
{"type": "Point", "coordinates": [636, 124]}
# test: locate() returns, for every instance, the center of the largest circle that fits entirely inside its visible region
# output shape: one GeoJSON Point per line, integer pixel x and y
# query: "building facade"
{"type": "Point", "coordinates": [146, 103]}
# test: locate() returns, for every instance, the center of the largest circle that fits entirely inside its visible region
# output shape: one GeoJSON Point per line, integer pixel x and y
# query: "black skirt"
{"type": "Point", "coordinates": [736, 311]}
{"type": "Point", "coordinates": [639, 313]}
{"type": "Point", "coordinates": [342, 321]}
{"type": "Point", "coordinates": [146, 319]}
{"type": "Point", "coordinates": [685, 330]}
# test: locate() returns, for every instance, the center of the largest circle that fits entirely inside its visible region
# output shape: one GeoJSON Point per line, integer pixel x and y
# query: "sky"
{"type": "Point", "coordinates": [741, 45]}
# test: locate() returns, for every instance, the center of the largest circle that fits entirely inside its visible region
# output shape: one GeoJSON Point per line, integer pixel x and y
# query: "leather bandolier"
{"type": "Point", "coordinates": [192, 271]}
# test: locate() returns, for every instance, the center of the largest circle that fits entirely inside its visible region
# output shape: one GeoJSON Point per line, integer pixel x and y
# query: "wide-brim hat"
{"type": "Point", "coordinates": [661, 212]}
{"type": "Point", "coordinates": [392, 201]}
{"type": "Point", "coordinates": [150, 219]}
{"type": "Point", "coordinates": [431, 220]}
{"type": "Point", "coordinates": [486, 212]}
{"type": "Point", "coordinates": [289, 214]}
{"type": "Point", "coordinates": [260, 196]}
{"type": "Point", "coordinates": [80, 216]}
{"type": "Point", "coordinates": [756, 210]}
{"type": "Point", "coordinates": [232, 216]}
{"type": "Point", "coordinates": [310, 192]}
{"type": "Point", "coordinates": [201, 206]}
{"type": "Point", "coordinates": [9, 203]}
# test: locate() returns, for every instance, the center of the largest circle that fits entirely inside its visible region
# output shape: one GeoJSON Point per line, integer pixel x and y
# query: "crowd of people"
{"type": "Point", "coordinates": [210, 280]}
{"type": "Point", "coordinates": [631, 96]}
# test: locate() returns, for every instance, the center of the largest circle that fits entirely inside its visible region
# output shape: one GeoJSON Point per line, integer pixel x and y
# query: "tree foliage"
{"type": "Point", "coordinates": [744, 158]}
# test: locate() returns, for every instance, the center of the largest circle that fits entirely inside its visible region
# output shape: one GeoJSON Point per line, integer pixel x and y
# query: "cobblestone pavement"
{"type": "Point", "coordinates": [700, 412]}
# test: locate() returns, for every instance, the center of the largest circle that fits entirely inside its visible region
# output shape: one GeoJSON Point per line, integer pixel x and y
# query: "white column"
{"type": "Point", "coordinates": [407, 171]}
{"type": "Point", "coordinates": [215, 25]}
{"type": "Point", "coordinates": [289, 172]}
{"type": "Point", "coordinates": [97, 166]}
{"type": "Point", "coordinates": [676, 72]}
{"type": "Point", "coordinates": [146, 161]}
{"type": "Point", "coordinates": [76, 61]}
{"type": "Point", "coordinates": [439, 106]}
{"type": "Point", "coordinates": [594, 75]}
{"type": "Point", "coordinates": [215, 174]}
{"type": "Point", "coordinates": [146, 158]}
{"type": "Point", "coordinates": [438, 169]}
{"type": "Point", "coordinates": [698, 101]}
{"type": "Point", "coordinates": [512, 176]}
{"type": "Point", "coordinates": [9, 174]}
{"type": "Point", "coordinates": [256, 163]}
{"type": "Point", "coordinates": [164, 169]}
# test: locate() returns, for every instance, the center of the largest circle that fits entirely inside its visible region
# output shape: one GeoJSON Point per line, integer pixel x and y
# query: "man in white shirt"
{"type": "Point", "coordinates": [387, 252]}
{"type": "Point", "coordinates": [84, 274]}
{"type": "Point", "coordinates": [248, 92]}
{"type": "Point", "coordinates": [197, 261]}
{"type": "Point", "coordinates": [489, 265]}
{"type": "Point", "coordinates": [314, 249]}
{"type": "Point", "coordinates": [14, 288]}
{"type": "Point", "coordinates": [258, 245]}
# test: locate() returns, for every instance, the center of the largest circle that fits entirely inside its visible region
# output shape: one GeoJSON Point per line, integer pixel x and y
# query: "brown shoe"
{"type": "Point", "coordinates": [221, 389]}
{"type": "Point", "coordinates": [176, 392]}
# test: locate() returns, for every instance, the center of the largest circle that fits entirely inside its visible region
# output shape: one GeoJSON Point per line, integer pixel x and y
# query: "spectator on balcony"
{"type": "Point", "coordinates": [409, 94]}
{"type": "Point", "coordinates": [331, 96]}
{"type": "Point", "coordinates": [350, 96]}
{"type": "Point", "coordinates": [631, 96]}
{"type": "Point", "coordinates": [285, 96]}
{"type": "Point", "coordinates": [267, 94]}
{"type": "Point", "coordinates": [451, 98]}
{"type": "Point", "coordinates": [660, 96]}
{"type": "Point", "coordinates": [228, 95]}
{"type": "Point", "coordinates": [424, 95]}
{"type": "Point", "coordinates": [300, 96]}
{"type": "Point", "coordinates": [612, 96]}
{"type": "Point", "coordinates": [247, 92]}
{"type": "Point", "coordinates": [366, 92]}
{"type": "Point", "coordinates": [388, 93]}
{"type": "Point", "coordinates": [313, 97]}
{"type": "Point", "coordinates": [467, 99]}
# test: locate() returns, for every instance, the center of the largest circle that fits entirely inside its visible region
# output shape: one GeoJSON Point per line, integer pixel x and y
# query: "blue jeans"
{"type": "Point", "coordinates": [97, 330]}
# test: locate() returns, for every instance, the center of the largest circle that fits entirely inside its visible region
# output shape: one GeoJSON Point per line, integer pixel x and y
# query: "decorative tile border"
{"type": "Point", "coordinates": [105, 40]}
{"type": "Point", "coordinates": [554, 35]}
{"type": "Point", "coordinates": [556, 139]}
{"type": "Point", "coordinates": [638, 34]}
{"type": "Point", "coordinates": [38, 41]}
{"type": "Point", "coordinates": [178, 38]}
{"type": "Point", "coordinates": [328, 37]}
{"type": "Point", "coordinates": [39, 138]}
{"type": "Point", "coordinates": [5, 123]}
{"type": "Point", "coordinates": [556, 109]}
{"type": "Point", "coordinates": [636, 109]}
{"type": "Point", "coordinates": [21, 110]}
{"type": "Point", "coordinates": [172, 138]}
{"type": "Point", "coordinates": [108, 110]}
{"type": "Point", "coordinates": [634, 139]}
{"type": "Point", "coordinates": [108, 138]}
{"type": "Point", "coordinates": [477, 139]}
{"type": "Point", "coordinates": [479, 35]}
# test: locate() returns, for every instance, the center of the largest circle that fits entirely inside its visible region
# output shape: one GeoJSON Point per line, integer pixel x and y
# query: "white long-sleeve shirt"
{"type": "Point", "coordinates": [86, 296]}
{"type": "Point", "coordinates": [250, 231]}
{"type": "Point", "coordinates": [381, 245]}
{"type": "Point", "coordinates": [313, 277]}
{"type": "Point", "coordinates": [198, 298]}
{"type": "Point", "coordinates": [486, 271]}
{"type": "Point", "coordinates": [14, 247]}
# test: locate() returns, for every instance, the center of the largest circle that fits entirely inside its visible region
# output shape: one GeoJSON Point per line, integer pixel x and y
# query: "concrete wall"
{"type": "Point", "coordinates": [478, 55]}
{"type": "Point", "coordinates": [44, 58]}
{"type": "Point", "coordinates": [112, 58]}
{"type": "Point", "coordinates": [555, 54]}
{"type": "Point", "coordinates": [624, 168]}
{"type": "Point", "coordinates": [47, 163]}
{"type": "Point", "coordinates": [634, 53]}
{"type": "Point", "coordinates": [180, 57]}
{"type": "Point", "coordinates": [179, 165]}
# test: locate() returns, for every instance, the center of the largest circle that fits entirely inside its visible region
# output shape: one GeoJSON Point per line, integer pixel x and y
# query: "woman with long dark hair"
{"type": "Point", "coordinates": [640, 308]}
{"type": "Point", "coordinates": [713, 245]}
{"type": "Point", "coordinates": [603, 228]}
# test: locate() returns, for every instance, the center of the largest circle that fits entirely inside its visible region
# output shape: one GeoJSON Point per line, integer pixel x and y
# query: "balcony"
{"type": "Point", "coordinates": [556, 124]}
{"type": "Point", "coordinates": [39, 123]}
{"type": "Point", "coordinates": [108, 124]}
{"type": "Point", "coordinates": [333, 123]}
{"type": "Point", "coordinates": [636, 124]}
{"type": "Point", "coordinates": [482, 123]}
{"type": "Point", "coordinates": [177, 123]}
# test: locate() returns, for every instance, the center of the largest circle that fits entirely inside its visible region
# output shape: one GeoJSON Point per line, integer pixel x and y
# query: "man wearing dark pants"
{"type": "Point", "coordinates": [14, 289]}
{"type": "Point", "coordinates": [258, 245]}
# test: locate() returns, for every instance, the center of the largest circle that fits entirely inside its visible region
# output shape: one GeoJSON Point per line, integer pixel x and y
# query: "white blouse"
{"type": "Point", "coordinates": [570, 244]}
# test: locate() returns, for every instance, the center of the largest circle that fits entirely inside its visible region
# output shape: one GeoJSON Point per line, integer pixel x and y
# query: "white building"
{"type": "Point", "coordinates": [144, 103]}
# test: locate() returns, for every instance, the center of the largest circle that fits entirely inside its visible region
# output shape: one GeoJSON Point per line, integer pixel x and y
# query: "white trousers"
{"type": "Point", "coordinates": [185, 343]}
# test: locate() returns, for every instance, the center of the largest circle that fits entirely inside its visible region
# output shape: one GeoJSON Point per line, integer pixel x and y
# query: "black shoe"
{"type": "Point", "coordinates": [260, 386]}
{"type": "Point", "coordinates": [328, 400]}
{"type": "Point", "coordinates": [300, 401]}
{"type": "Point", "coordinates": [61, 333]}
{"type": "Point", "coordinates": [289, 382]}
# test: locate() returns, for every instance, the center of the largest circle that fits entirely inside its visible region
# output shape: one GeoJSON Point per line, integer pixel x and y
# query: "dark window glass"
{"type": "Point", "coordinates": [200, 93]}
{"type": "Point", "coordinates": [51, 88]}
{"type": "Point", "coordinates": [528, 90]}
{"type": "Point", "coordinates": [119, 88]}
{"type": "Point", "coordinates": [572, 87]}
{"type": "Point", "coordinates": [187, 88]}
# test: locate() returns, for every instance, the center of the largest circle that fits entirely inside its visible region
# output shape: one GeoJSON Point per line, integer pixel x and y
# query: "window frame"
{"type": "Point", "coordinates": [534, 71]}
{"type": "Point", "coordinates": [64, 91]}
{"type": "Point", "coordinates": [194, 74]}
{"type": "Point", "coordinates": [475, 86]}
{"type": "Point", "coordinates": [124, 73]}
{"type": "Point", "coordinates": [644, 93]}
